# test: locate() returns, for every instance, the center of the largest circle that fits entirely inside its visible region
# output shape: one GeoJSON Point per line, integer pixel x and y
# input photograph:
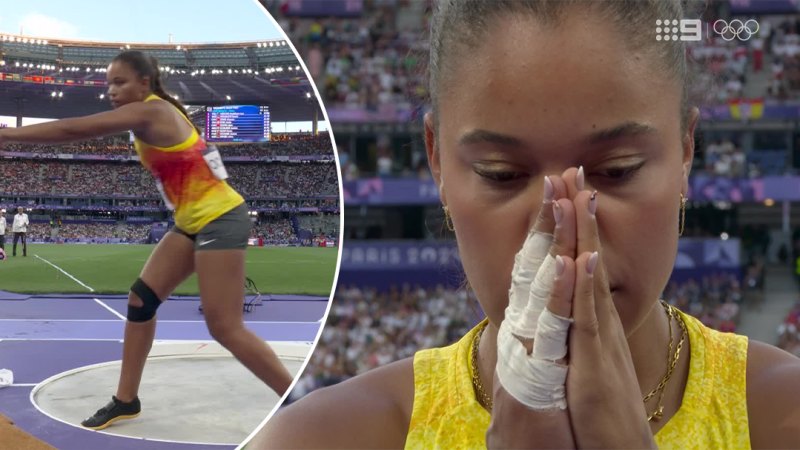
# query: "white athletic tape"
{"type": "Point", "coordinates": [538, 297]}
{"type": "Point", "coordinates": [527, 264]}
{"type": "Point", "coordinates": [551, 336]}
{"type": "Point", "coordinates": [536, 383]}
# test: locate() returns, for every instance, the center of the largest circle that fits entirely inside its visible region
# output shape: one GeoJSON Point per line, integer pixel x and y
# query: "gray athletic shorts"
{"type": "Point", "coordinates": [228, 231]}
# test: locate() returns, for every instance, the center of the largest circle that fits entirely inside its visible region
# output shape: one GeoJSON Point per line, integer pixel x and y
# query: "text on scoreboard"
{"type": "Point", "coordinates": [239, 123]}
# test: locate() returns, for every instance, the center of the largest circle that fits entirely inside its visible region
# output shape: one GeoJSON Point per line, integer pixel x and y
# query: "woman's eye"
{"type": "Point", "coordinates": [620, 173]}
{"type": "Point", "coordinates": [500, 176]}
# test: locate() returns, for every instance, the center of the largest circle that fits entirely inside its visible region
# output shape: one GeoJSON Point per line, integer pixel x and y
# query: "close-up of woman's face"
{"type": "Point", "coordinates": [124, 84]}
{"type": "Point", "coordinates": [531, 101]}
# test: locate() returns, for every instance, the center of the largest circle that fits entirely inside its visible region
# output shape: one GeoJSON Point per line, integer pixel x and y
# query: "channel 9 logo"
{"type": "Point", "coordinates": [692, 29]}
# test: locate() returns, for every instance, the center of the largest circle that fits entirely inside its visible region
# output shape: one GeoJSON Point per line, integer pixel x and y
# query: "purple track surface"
{"type": "Point", "coordinates": [6, 295]}
{"type": "Point", "coordinates": [41, 336]}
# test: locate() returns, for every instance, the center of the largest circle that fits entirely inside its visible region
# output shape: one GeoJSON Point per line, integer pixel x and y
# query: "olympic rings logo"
{"type": "Point", "coordinates": [735, 29]}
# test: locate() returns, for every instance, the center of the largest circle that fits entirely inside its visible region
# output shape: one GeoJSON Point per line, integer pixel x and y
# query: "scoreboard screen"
{"type": "Point", "coordinates": [240, 123]}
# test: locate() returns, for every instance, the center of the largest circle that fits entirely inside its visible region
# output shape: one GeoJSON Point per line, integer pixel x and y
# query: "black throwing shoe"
{"type": "Point", "coordinates": [115, 410]}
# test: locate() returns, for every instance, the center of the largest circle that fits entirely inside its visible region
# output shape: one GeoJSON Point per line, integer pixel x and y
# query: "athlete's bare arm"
{"type": "Point", "coordinates": [371, 410]}
{"type": "Point", "coordinates": [137, 116]}
{"type": "Point", "coordinates": [773, 397]}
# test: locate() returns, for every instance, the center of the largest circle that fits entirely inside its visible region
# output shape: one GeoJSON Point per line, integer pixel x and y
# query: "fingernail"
{"type": "Point", "coordinates": [591, 264]}
{"type": "Point", "coordinates": [557, 213]}
{"type": "Point", "coordinates": [548, 190]}
{"type": "Point", "coordinates": [559, 265]}
{"type": "Point", "coordinates": [579, 179]}
{"type": "Point", "coordinates": [593, 203]}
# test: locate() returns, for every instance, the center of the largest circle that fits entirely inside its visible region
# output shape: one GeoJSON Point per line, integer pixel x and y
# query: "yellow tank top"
{"type": "Point", "coordinates": [186, 181]}
{"type": "Point", "coordinates": [713, 413]}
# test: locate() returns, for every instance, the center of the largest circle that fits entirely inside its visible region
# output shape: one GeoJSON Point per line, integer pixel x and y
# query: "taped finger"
{"type": "Point", "coordinates": [550, 342]}
{"type": "Point", "coordinates": [527, 263]}
{"type": "Point", "coordinates": [536, 383]}
{"type": "Point", "coordinates": [536, 379]}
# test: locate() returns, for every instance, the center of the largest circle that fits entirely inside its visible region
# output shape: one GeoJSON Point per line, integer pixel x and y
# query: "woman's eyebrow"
{"type": "Point", "coordinates": [484, 136]}
{"type": "Point", "coordinates": [628, 129]}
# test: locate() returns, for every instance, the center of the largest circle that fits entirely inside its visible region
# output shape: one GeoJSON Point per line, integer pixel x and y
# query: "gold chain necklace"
{"type": "Point", "coordinates": [480, 393]}
{"type": "Point", "coordinates": [486, 401]}
{"type": "Point", "coordinates": [672, 314]}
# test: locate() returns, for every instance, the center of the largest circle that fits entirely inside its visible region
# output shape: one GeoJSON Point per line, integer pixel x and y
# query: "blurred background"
{"type": "Point", "coordinates": [400, 288]}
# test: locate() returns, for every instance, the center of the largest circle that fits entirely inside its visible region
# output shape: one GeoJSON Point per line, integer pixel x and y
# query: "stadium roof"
{"type": "Point", "coordinates": [184, 55]}
{"type": "Point", "coordinates": [262, 73]}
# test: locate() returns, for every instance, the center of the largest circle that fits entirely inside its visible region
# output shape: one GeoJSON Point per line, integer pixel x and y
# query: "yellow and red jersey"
{"type": "Point", "coordinates": [186, 181]}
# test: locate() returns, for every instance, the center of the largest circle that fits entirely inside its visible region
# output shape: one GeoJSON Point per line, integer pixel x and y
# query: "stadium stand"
{"type": "Point", "coordinates": [107, 183]}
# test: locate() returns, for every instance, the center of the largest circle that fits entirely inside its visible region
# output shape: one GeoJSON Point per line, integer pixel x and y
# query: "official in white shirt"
{"type": "Point", "coordinates": [2, 229]}
{"type": "Point", "coordinates": [20, 229]}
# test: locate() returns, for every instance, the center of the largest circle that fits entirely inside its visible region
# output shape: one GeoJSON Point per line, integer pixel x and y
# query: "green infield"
{"type": "Point", "coordinates": [111, 269]}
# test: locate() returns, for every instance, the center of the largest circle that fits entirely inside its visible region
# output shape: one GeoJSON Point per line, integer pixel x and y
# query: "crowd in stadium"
{"type": "Point", "coordinates": [128, 233]}
{"type": "Point", "coordinates": [779, 41]}
{"type": "Point", "coordinates": [297, 145]}
{"type": "Point", "coordinates": [294, 203]}
{"type": "Point", "coordinates": [715, 300]}
{"type": "Point", "coordinates": [121, 147]}
{"type": "Point", "coordinates": [319, 224]}
{"type": "Point", "coordinates": [367, 63]}
{"type": "Point", "coordinates": [133, 233]}
{"type": "Point", "coordinates": [328, 203]}
{"type": "Point", "coordinates": [18, 177]}
{"type": "Point", "coordinates": [107, 147]}
{"type": "Point", "coordinates": [297, 180]}
{"type": "Point", "coordinates": [137, 202]}
{"type": "Point", "coordinates": [373, 61]}
{"type": "Point", "coordinates": [723, 158]}
{"type": "Point", "coordinates": [84, 178]}
{"type": "Point", "coordinates": [25, 177]}
{"type": "Point", "coordinates": [39, 231]}
{"type": "Point", "coordinates": [367, 329]}
{"type": "Point", "coordinates": [274, 230]}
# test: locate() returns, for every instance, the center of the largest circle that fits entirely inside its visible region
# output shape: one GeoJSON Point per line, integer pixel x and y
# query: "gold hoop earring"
{"type": "Point", "coordinates": [448, 221]}
{"type": "Point", "coordinates": [683, 215]}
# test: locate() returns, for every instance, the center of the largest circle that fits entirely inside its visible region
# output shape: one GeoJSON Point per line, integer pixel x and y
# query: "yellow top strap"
{"type": "Point", "coordinates": [188, 142]}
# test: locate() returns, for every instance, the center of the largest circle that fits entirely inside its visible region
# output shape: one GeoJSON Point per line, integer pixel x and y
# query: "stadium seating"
{"type": "Point", "coordinates": [129, 178]}
{"type": "Point", "coordinates": [103, 179]}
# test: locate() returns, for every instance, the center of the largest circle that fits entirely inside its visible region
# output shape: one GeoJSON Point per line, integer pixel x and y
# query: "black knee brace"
{"type": "Point", "coordinates": [150, 301]}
